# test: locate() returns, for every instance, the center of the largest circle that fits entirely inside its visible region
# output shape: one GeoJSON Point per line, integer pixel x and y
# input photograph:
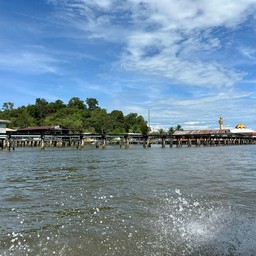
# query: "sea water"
{"type": "Point", "coordinates": [136, 201]}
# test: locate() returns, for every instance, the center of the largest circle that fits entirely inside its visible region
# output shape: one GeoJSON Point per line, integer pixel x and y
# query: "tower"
{"type": "Point", "coordinates": [221, 123]}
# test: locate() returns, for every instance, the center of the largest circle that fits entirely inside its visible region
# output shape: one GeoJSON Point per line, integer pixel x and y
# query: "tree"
{"type": "Point", "coordinates": [92, 103]}
{"type": "Point", "coordinates": [161, 131]}
{"type": "Point", "coordinates": [7, 106]}
{"type": "Point", "coordinates": [117, 119]}
{"type": "Point", "coordinates": [100, 120]}
{"type": "Point", "coordinates": [117, 115]}
{"type": "Point", "coordinates": [144, 129]}
{"type": "Point", "coordinates": [41, 102]}
{"type": "Point", "coordinates": [76, 102]}
{"type": "Point", "coordinates": [22, 118]}
{"type": "Point", "coordinates": [135, 123]}
{"type": "Point", "coordinates": [178, 128]}
{"type": "Point", "coordinates": [70, 118]}
{"type": "Point", "coordinates": [41, 110]}
{"type": "Point", "coordinates": [171, 130]}
{"type": "Point", "coordinates": [57, 105]}
{"type": "Point", "coordinates": [129, 121]}
{"type": "Point", "coordinates": [75, 116]}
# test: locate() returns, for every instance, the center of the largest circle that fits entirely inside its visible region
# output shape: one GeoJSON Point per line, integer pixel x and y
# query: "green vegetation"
{"type": "Point", "coordinates": [77, 115]}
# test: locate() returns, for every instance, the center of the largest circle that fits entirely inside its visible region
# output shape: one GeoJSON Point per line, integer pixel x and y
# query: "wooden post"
{"type": "Point", "coordinates": [145, 138]}
{"type": "Point", "coordinates": [126, 141]}
{"type": "Point", "coordinates": [81, 141]}
{"type": "Point", "coordinates": [9, 142]}
{"type": "Point", "coordinates": [13, 144]}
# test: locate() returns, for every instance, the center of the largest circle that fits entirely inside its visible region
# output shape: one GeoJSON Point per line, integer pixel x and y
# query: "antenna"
{"type": "Point", "coordinates": [149, 118]}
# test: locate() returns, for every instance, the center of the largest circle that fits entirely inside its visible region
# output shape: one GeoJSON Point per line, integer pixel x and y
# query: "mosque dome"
{"type": "Point", "coordinates": [240, 126]}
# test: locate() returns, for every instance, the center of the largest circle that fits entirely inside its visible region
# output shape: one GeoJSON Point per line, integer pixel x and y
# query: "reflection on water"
{"type": "Point", "coordinates": [188, 201]}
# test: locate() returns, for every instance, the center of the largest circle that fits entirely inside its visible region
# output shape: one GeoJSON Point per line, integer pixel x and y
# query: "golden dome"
{"type": "Point", "coordinates": [240, 126]}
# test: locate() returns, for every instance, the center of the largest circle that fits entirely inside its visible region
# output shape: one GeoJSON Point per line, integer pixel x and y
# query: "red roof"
{"type": "Point", "coordinates": [201, 132]}
{"type": "Point", "coordinates": [43, 128]}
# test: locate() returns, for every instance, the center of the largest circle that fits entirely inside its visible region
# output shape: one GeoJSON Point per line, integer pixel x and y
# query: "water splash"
{"type": "Point", "coordinates": [192, 226]}
{"type": "Point", "coordinates": [172, 224]}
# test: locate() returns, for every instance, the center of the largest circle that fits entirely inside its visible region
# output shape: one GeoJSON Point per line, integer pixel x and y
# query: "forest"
{"type": "Point", "coordinates": [77, 115]}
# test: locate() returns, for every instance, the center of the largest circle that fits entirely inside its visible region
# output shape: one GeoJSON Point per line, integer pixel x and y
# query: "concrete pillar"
{"type": "Point", "coordinates": [179, 143]}
{"type": "Point", "coordinates": [9, 142]}
{"type": "Point", "coordinates": [81, 141]}
{"type": "Point", "coordinates": [163, 142]}
{"type": "Point", "coordinates": [120, 142]}
{"type": "Point", "coordinates": [103, 143]}
{"type": "Point", "coordinates": [42, 142]}
{"type": "Point", "coordinates": [59, 143]}
{"type": "Point", "coordinates": [145, 141]}
{"type": "Point", "coordinates": [4, 143]}
{"type": "Point", "coordinates": [149, 142]}
{"type": "Point", "coordinates": [13, 144]}
{"type": "Point", "coordinates": [171, 142]}
{"type": "Point", "coordinates": [189, 142]}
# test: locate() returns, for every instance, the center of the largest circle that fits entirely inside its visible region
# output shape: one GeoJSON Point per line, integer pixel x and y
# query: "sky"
{"type": "Point", "coordinates": [181, 62]}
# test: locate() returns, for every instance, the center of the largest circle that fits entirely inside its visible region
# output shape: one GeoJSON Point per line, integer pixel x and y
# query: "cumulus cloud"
{"type": "Point", "coordinates": [166, 38]}
{"type": "Point", "coordinates": [169, 56]}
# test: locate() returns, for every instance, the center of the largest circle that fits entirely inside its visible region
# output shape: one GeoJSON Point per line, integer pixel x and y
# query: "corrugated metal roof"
{"type": "Point", "coordinates": [201, 132]}
{"type": "Point", "coordinates": [37, 128]}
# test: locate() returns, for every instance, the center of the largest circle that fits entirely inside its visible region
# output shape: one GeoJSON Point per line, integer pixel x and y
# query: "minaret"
{"type": "Point", "coordinates": [221, 123]}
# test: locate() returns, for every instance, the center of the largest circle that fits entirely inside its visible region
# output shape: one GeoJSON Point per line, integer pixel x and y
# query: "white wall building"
{"type": "Point", "coordinates": [3, 128]}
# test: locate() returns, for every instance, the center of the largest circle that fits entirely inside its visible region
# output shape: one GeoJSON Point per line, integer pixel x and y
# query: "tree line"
{"type": "Point", "coordinates": [77, 115]}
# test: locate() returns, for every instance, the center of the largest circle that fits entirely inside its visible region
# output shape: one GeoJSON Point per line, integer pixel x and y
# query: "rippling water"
{"type": "Point", "coordinates": [172, 201]}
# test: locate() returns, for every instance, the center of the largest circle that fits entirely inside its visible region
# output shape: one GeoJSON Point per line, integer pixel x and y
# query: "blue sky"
{"type": "Point", "coordinates": [188, 61]}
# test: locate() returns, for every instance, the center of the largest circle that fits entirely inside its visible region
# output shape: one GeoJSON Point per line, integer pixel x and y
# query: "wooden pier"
{"type": "Point", "coordinates": [79, 141]}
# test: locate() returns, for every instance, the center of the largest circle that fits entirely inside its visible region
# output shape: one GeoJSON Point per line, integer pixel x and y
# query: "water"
{"type": "Point", "coordinates": [172, 201]}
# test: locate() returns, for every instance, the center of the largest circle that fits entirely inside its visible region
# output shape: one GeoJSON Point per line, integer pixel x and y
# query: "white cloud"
{"type": "Point", "coordinates": [249, 53]}
{"type": "Point", "coordinates": [166, 38]}
{"type": "Point", "coordinates": [168, 56]}
{"type": "Point", "coordinates": [28, 62]}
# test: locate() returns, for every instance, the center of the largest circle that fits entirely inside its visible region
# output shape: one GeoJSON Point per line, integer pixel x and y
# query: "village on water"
{"type": "Point", "coordinates": [58, 136]}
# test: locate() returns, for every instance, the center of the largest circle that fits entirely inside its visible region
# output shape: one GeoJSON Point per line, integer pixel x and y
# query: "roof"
{"type": "Point", "coordinates": [5, 121]}
{"type": "Point", "coordinates": [44, 128]}
{"type": "Point", "coordinates": [242, 130]}
{"type": "Point", "coordinates": [10, 130]}
{"type": "Point", "coordinates": [201, 132]}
